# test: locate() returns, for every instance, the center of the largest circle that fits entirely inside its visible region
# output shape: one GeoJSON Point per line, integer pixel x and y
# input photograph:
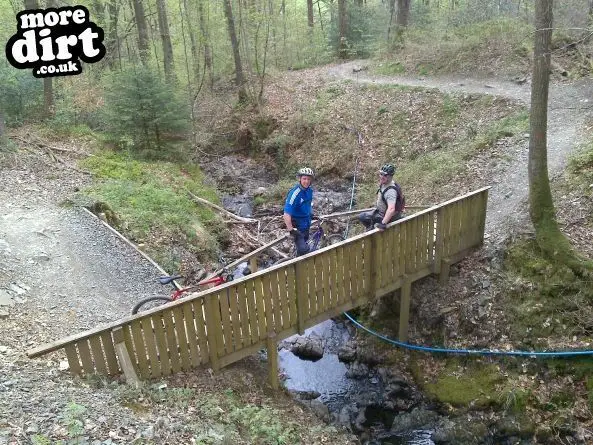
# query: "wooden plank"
{"type": "Point", "coordinates": [388, 255]}
{"type": "Point", "coordinates": [225, 316]}
{"type": "Point", "coordinates": [109, 353]}
{"type": "Point", "coordinates": [455, 222]}
{"type": "Point", "coordinates": [402, 249]}
{"type": "Point", "coordinates": [277, 297]}
{"type": "Point", "coordinates": [244, 315]}
{"type": "Point", "coordinates": [377, 261]}
{"type": "Point", "coordinates": [420, 241]}
{"type": "Point", "coordinates": [151, 347]}
{"type": "Point", "coordinates": [235, 317]}
{"type": "Point", "coordinates": [319, 290]}
{"type": "Point", "coordinates": [281, 304]}
{"type": "Point", "coordinates": [302, 304]}
{"type": "Point", "coordinates": [482, 224]}
{"type": "Point", "coordinates": [327, 281]}
{"type": "Point", "coordinates": [161, 342]}
{"type": "Point", "coordinates": [72, 356]}
{"type": "Point", "coordinates": [191, 334]}
{"type": "Point", "coordinates": [340, 280]}
{"type": "Point", "coordinates": [333, 278]}
{"type": "Point", "coordinates": [439, 237]}
{"type": "Point", "coordinates": [200, 314]}
{"type": "Point", "coordinates": [291, 307]}
{"type": "Point", "coordinates": [142, 358]}
{"type": "Point", "coordinates": [311, 291]}
{"type": "Point", "coordinates": [252, 309]}
{"type": "Point", "coordinates": [172, 341]}
{"type": "Point", "coordinates": [85, 357]}
{"type": "Point", "coordinates": [431, 238]}
{"type": "Point", "coordinates": [372, 265]}
{"type": "Point", "coordinates": [359, 270]}
{"type": "Point", "coordinates": [100, 362]}
{"type": "Point", "coordinates": [272, 348]}
{"type": "Point", "coordinates": [180, 330]}
{"type": "Point", "coordinates": [349, 273]}
{"type": "Point", "coordinates": [261, 309]}
{"type": "Point", "coordinates": [213, 329]}
{"type": "Point", "coordinates": [268, 302]}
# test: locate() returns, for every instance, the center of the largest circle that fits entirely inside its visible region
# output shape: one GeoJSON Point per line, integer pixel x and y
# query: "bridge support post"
{"type": "Point", "coordinates": [272, 349]}
{"type": "Point", "coordinates": [124, 358]}
{"type": "Point", "coordinates": [253, 264]}
{"type": "Point", "coordinates": [444, 271]}
{"type": "Point", "coordinates": [404, 308]}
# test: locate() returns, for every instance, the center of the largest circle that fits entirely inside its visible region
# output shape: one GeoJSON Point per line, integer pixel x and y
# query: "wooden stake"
{"type": "Point", "coordinates": [272, 348]}
{"type": "Point", "coordinates": [124, 357]}
{"type": "Point", "coordinates": [220, 209]}
{"type": "Point", "coordinates": [404, 308]}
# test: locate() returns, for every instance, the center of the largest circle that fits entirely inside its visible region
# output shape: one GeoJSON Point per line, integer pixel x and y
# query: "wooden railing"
{"type": "Point", "coordinates": [224, 324]}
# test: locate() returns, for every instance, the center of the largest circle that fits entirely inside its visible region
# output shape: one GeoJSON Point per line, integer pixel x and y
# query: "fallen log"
{"type": "Point", "coordinates": [220, 209]}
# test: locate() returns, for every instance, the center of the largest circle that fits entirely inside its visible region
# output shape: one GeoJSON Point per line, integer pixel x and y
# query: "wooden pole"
{"type": "Point", "coordinates": [220, 209]}
{"type": "Point", "coordinates": [124, 357]}
{"type": "Point", "coordinates": [272, 348]}
{"type": "Point", "coordinates": [404, 308]}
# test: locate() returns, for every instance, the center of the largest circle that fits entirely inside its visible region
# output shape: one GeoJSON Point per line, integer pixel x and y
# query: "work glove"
{"type": "Point", "coordinates": [380, 226]}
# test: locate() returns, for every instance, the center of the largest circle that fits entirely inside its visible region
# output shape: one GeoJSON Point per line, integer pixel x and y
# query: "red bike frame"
{"type": "Point", "coordinates": [217, 280]}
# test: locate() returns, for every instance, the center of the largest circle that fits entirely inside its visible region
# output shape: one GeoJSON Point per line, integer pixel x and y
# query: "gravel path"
{"type": "Point", "coordinates": [61, 272]}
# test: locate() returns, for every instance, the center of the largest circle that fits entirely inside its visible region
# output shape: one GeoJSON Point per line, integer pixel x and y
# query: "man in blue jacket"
{"type": "Point", "coordinates": [297, 210]}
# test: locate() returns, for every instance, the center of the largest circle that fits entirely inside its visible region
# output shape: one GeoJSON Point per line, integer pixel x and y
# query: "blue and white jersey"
{"type": "Point", "coordinates": [298, 205]}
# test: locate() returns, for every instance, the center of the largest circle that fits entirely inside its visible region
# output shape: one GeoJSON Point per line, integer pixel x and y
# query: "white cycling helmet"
{"type": "Point", "coordinates": [305, 171]}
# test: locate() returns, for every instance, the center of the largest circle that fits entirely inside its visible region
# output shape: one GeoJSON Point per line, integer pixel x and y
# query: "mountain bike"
{"type": "Point", "coordinates": [151, 302]}
{"type": "Point", "coordinates": [317, 240]}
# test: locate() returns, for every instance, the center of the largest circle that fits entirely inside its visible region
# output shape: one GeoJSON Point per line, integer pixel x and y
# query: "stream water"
{"type": "Point", "coordinates": [354, 400]}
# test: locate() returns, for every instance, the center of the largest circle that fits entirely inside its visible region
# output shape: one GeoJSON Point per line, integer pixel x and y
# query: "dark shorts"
{"type": "Point", "coordinates": [372, 217]}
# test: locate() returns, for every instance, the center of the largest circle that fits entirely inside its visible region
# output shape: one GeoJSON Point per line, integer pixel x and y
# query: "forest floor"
{"type": "Point", "coordinates": [62, 272]}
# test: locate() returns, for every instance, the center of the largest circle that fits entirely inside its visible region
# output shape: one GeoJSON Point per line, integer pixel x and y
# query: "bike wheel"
{"type": "Point", "coordinates": [149, 303]}
{"type": "Point", "coordinates": [332, 239]}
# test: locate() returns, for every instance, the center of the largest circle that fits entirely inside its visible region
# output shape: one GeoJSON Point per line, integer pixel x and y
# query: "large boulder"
{"type": "Point", "coordinates": [308, 348]}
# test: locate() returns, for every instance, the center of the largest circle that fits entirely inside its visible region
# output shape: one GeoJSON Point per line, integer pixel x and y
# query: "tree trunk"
{"type": "Point", "coordinates": [195, 55]}
{"type": "Point", "coordinates": [207, 45]}
{"type": "Point", "coordinates": [165, 39]}
{"type": "Point", "coordinates": [541, 206]}
{"type": "Point", "coordinates": [403, 14]}
{"type": "Point", "coordinates": [112, 37]}
{"type": "Point", "coordinates": [239, 77]}
{"type": "Point", "coordinates": [48, 84]}
{"type": "Point", "coordinates": [391, 16]}
{"type": "Point", "coordinates": [343, 40]}
{"type": "Point", "coordinates": [310, 13]}
{"type": "Point", "coordinates": [142, 27]}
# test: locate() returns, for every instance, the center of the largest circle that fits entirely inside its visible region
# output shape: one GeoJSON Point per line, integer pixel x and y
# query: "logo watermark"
{"type": "Point", "coordinates": [53, 41]}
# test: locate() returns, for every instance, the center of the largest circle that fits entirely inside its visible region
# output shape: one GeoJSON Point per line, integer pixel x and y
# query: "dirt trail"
{"type": "Point", "coordinates": [570, 105]}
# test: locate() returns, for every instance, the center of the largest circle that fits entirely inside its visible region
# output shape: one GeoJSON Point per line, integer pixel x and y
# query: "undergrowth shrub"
{"type": "Point", "coordinates": [144, 113]}
{"type": "Point", "coordinates": [21, 94]}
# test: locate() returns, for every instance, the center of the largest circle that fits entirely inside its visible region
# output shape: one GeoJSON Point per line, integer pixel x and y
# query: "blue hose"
{"type": "Point", "coordinates": [468, 351]}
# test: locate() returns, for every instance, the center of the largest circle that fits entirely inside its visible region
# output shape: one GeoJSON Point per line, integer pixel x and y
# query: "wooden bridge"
{"type": "Point", "coordinates": [222, 325]}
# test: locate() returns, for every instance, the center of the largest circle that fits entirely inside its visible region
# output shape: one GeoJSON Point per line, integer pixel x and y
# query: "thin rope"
{"type": "Point", "coordinates": [532, 354]}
